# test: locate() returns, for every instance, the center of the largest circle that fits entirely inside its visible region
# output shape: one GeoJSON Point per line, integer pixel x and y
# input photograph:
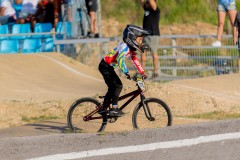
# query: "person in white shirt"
{"type": "Point", "coordinates": [29, 9]}
{"type": "Point", "coordinates": [7, 12]}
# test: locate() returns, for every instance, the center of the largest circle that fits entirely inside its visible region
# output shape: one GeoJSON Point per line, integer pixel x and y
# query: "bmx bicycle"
{"type": "Point", "coordinates": [83, 115]}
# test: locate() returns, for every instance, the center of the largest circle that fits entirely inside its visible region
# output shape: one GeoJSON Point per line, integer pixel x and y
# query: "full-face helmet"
{"type": "Point", "coordinates": [130, 34]}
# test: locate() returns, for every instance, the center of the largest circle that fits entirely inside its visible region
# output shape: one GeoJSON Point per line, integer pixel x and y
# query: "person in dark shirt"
{"type": "Point", "coordinates": [59, 10]}
{"type": "Point", "coordinates": [50, 12]}
{"type": "Point", "coordinates": [236, 36]}
{"type": "Point", "coordinates": [151, 22]}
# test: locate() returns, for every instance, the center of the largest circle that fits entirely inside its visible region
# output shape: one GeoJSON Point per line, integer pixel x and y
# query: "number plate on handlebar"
{"type": "Point", "coordinates": [141, 85]}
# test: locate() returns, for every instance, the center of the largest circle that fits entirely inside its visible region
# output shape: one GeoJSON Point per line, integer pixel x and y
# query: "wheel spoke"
{"type": "Point", "coordinates": [81, 109]}
{"type": "Point", "coordinates": [158, 110]}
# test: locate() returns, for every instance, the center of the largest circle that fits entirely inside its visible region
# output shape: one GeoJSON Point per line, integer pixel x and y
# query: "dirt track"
{"type": "Point", "coordinates": [34, 85]}
{"type": "Point", "coordinates": [46, 84]}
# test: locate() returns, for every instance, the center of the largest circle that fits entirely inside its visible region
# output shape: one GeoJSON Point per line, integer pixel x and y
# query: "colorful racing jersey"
{"type": "Point", "coordinates": [117, 56]}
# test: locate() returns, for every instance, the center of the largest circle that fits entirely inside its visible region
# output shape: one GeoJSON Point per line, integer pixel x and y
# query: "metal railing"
{"type": "Point", "coordinates": [23, 36]}
{"type": "Point", "coordinates": [180, 56]}
{"type": "Point", "coordinates": [190, 56]}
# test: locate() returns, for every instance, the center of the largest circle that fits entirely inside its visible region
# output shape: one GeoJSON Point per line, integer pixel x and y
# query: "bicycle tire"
{"type": "Point", "coordinates": [85, 106]}
{"type": "Point", "coordinates": [139, 114]}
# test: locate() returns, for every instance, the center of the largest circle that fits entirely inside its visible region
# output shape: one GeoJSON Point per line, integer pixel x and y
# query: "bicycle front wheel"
{"type": "Point", "coordinates": [155, 114]}
{"type": "Point", "coordinates": [83, 117]}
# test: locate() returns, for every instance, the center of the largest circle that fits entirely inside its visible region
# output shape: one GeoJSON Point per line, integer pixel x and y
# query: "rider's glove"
{"type": "Point", "coordinates": [144, 76]}
{"type": "Point", "coordinates": [127, 76]}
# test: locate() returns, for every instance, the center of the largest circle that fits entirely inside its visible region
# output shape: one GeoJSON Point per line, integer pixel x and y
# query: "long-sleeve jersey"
{"type": "Point", "coordinates": [118, 55]}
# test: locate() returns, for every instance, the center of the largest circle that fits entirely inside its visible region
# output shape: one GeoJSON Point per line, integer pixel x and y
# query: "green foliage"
{"type": "Point", "coordinates": [216, 115]}
{"type": "Point", "coordinates": [123, 10]}
{"type": "Point", "coordinates": [172, 11]}
{"type": "Point", "coordinates": [38, 119]}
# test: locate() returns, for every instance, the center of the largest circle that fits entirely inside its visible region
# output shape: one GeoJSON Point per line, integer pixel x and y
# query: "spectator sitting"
{"type": "Point", "coordinates": [29, 9]}
{"type": "Point", "coordinates": [51, 12]}
{"type": "Point", "coordinates": [38, 17]}
{"type": "Point", "coordinates": [47, 12]}
{"type": "Point", "coordinates": [59, 10]}
{"type": "Point", "coordinates": [7, 12]}
{"type": "Point", "coordinates": [41, 11]}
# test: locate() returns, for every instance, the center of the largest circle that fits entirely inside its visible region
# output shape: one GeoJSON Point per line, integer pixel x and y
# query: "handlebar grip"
{"type": "Point", "coordinates": [134, 78]}
{"type": "Point", "coordinates": [144, 76]}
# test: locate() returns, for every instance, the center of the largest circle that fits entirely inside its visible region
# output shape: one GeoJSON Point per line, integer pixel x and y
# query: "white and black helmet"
{"type": "Point", "coordinates": [130, 34]}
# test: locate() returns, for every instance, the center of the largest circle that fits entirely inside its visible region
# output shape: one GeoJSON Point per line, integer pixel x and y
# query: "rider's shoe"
{"type": "Point", "coordinates": [116, 112]}
{"type": "Point", "coordinates": [102, 110]}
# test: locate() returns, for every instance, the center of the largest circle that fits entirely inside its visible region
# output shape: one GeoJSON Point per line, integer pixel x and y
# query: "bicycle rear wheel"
{"type": "Point", "coordinates": [77, 118]}
{"type": "Point", "coordinates": [160, 114]}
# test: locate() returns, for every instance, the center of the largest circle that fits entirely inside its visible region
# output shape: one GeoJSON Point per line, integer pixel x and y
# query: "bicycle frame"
{"type": "Point", "coordinates": [133, 95]}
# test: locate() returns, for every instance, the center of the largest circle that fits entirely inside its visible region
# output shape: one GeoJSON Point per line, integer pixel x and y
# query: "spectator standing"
{"type": "Point", "coordinates": [81, 16]}
{"type": "Point", "coordinates": [78, 18]}
{"type": "Point", "coordinates": [223, 7]}
{"type": "Point", "coordinates": [69, 4]}
{"type": "Point", "coordinates": [151, 22]}
{"type": "Point", "coordinates": [236, 36]}
{"type": "Point", "coordinates": [7, 12]}
{"type": "Point", "coordinates": [92, 7]}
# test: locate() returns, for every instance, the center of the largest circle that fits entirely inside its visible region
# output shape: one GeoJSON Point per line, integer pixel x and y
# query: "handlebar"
{"type": "Point", "coordinates": [135, 78]}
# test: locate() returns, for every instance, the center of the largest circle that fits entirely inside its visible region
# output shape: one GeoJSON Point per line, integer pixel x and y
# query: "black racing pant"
{"type": "Point", "coordinates": [113, 82]}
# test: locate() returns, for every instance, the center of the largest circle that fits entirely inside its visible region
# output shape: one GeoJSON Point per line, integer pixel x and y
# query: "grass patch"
{"type": "Point", "coordinates": [67, 131]}
{"type": "Point", "coordinates": [103, 133]}
{"type": "Point", "coordinates": [39, 118]}
{"type": "Point", "coordinates": [172, 11]}
{"type": "Point", "coordinates": [216, 115]}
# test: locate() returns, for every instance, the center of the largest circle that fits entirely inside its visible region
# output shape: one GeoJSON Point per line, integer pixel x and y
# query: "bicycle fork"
{"type": "Point", "coordinates": [146, 109]}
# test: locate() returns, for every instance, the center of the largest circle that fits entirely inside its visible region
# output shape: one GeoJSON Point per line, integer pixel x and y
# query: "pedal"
{"type": "Point", "coordinates": [101, 97]}
{"type": "Point", "coordinates": [112, 120]}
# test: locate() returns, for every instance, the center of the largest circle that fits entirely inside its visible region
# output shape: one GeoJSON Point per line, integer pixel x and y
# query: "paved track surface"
{"type": "Point", "coordinates": [68, 145]}
{"type": "Point", "coordinates": [35, 129]}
